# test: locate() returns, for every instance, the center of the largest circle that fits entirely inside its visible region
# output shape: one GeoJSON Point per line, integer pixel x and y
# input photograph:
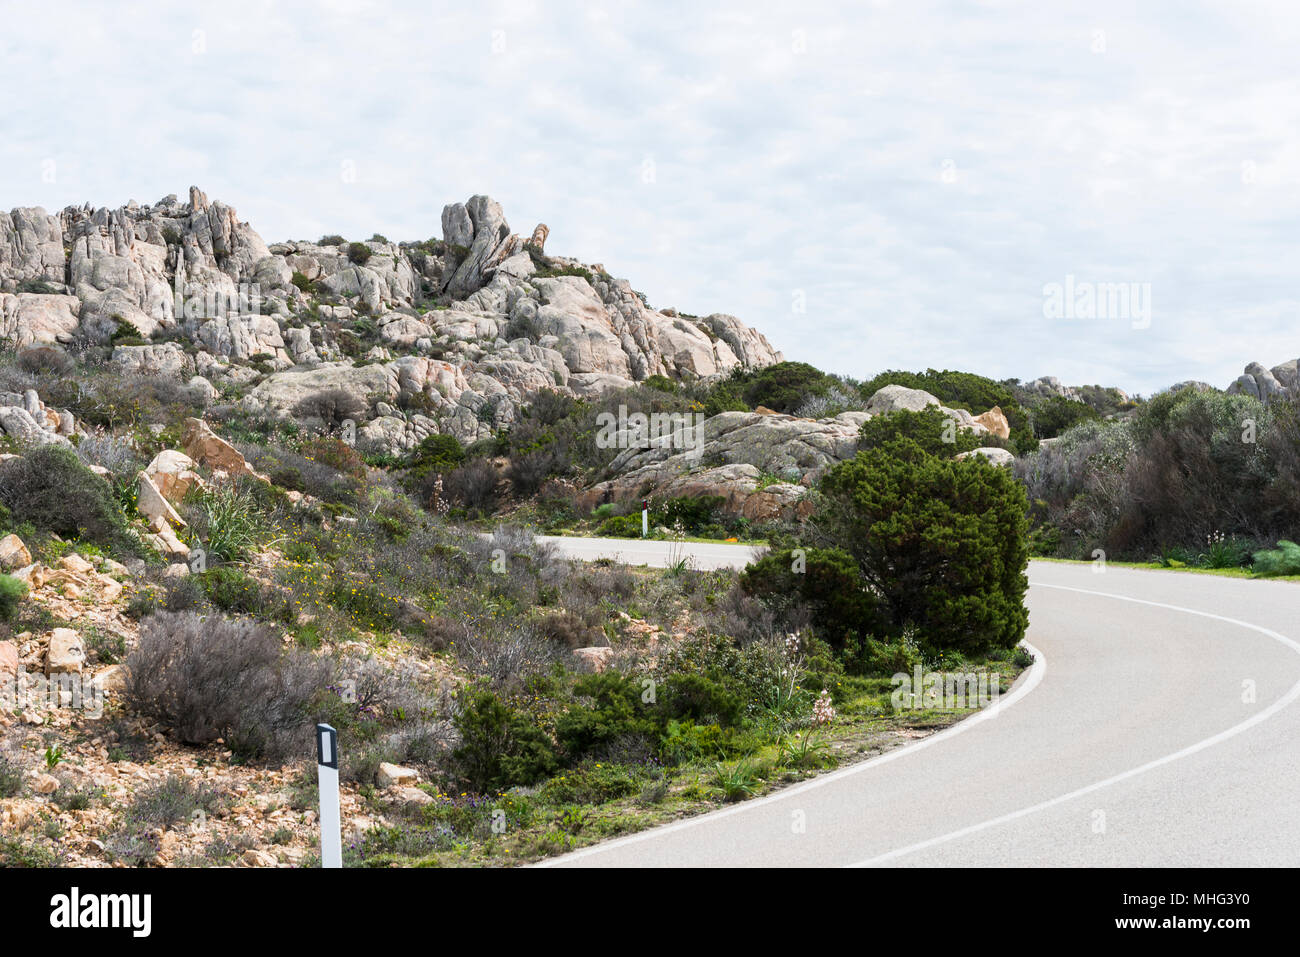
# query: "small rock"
{"type": "Point", "coordinates": [390, 775]}
{"type": "Point", "coordinates": [177, 570]}
{"type": "Point", "coordinates": [255, 858]}
{"type": "Point", "coordinates": [76, 564]}
{"type": "Point", "coordinates": [13, 553]}
{"type": "Point", "coordinates": [66, 653]}
{"type": "Point", "coordinates": [45, 784]}
{"type": "Point", "coordinates": [595, 659]}
{"type": "Point", "coordinates": [410, 795]}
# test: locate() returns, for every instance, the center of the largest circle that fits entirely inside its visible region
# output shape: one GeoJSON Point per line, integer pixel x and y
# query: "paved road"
{"type": "Point", "coordinates": [1160, 727]}
{"type": "Point", "coordinates": [635, 551]}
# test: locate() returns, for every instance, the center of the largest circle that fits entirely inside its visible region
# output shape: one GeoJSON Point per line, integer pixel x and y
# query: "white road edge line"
{"type": "Point", "coordinates": [1132, 772]}
{"type": "Point", "coordinates": [1025, 684]}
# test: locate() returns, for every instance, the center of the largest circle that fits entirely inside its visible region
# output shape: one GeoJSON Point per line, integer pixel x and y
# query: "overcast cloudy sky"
{"type": "Point", "coordinates": [873, 185]}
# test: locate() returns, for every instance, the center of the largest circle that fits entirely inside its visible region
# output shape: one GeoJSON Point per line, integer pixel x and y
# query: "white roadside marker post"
{"type": "Point", "coordinates": [327, 767]}
{"type": "Point", "coordinates": [645, 518]}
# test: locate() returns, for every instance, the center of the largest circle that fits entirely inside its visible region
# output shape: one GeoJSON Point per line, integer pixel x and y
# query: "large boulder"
{"type": "Point", "coordinates": [168, 360]}
{"type": "Point", "coordinates": [895, 398]}
{"type": "Point", "coordinates": [172, 473]}
{"type": "Point", "coordinates": [1265, 384]}
{"type": "Point", "coordinates": [31, 245]}
{"type": "Point", "coordinates": [204, 446]}
{"type": "Point", "coordinates": [998, 456]}
{"type": "Point", "coordinates": [153, 506]}
{"type": "Point", "coordinates": [13, 553]}
{"type": "Point", "coordinates": [30, 318]}
{"type": "Point", "coordinates": [996, 422]}
{"type": "Point", "coordinates": [481, 225]}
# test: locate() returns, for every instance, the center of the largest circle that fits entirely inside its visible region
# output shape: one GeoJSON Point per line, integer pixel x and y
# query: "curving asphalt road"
{"type": "Point", "coordinates": [1160, 726]}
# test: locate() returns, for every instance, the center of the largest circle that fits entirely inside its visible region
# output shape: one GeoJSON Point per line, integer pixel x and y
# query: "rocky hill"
{"type": "Point", "coordinates": [408, 339]}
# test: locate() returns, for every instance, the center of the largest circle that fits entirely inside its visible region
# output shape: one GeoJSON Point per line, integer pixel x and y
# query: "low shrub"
{"type": "Point", "coordinates": [1283, 560]}
{"type": "Point", "coordinates": [54, 492]}
{"type": "Point", "coordinates": [12, 591]}
{"type": "Point", "coordinates": [210, 678]}
{"type": "Point", "coordinates": [500, 747]}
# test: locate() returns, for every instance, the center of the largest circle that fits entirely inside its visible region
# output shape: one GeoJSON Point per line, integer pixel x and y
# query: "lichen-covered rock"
{"type": "Point", "coordinates": [998, 456]}
{"type": "Point", "coordinates": [30, 318]}
{"type": "Point", "coordinates": [168, 360]}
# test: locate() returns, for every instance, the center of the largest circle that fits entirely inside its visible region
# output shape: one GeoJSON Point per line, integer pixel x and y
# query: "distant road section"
{"type": "Point", "coordinates": [704, 556]}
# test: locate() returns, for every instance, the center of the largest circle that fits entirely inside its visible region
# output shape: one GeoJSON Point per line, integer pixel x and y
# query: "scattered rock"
{"type": "Point", "coordinates": [593, 659]}
{"type": "Point", "coordinates": [66, 654]}
{"type": "Point", "coordinates": [412, 795]}
{"type": "Point", "coordinates": [76, 564]}
{"type": "Point", "coordinates": [154, 506]}
{"type": "Point", "coordinates": [255, 858]}
{"type": "Point", "coordinates": [996, 422]}
{"type": "Point", "coordinates": [173, 475]}
{"type": "Point", "coordinates": [391, 775]}
{"type": "Point", "coordinates": [8, 661]}
{"type": "Point", "coordinates": [13, 553]}
{"type": "Point", "coordinates": [205, 446]}
{"type": "Point", "coordinates": [995, 455]}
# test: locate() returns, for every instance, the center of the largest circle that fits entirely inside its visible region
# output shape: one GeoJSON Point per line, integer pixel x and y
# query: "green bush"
{"type": "Point", "coordinates": [227, 522]}
{"type": "Point", "coordinates": [694, 697]}
{"type": "Point", "coordinates": [310, 287]}
{"type": "Point", "coordinates": [828, 582]}
{"type": "Point", "coordinates": [692, 514]}
{"type": "Point", "coordinates": [436, 453]}
{"type": "Point", "coordinates": [942, 542]}
{"type": "Point", "coordinates": [49, 488]}
{"type": "Point", "coordinates": [12, 591]}
{"type": "Point", "coordinates": [621, 526]}
{"type": "Point", "coordinates": [1283, 560]}
{"type": "Point", "coordinates": [963, 390]}
{"type": "Point", "coordinates": [616, 712]}
{"type": "Point", "coordinates": [933, 431]}
{"type": "Point", "coordinates": [500, 747]}
{"type": "Point", "coordinates": [358, 253]}
{"type": "Point", "coordinates": [1054, 415]}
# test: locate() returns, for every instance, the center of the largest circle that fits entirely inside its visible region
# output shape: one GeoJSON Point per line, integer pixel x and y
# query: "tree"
{"type": "Point", "coordinates": [784, 387]}
{"type": "Point", "coordinates": [942, 542]}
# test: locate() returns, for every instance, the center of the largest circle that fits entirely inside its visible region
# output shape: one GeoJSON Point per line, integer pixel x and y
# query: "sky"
{"type": "Point", "coordinates": [873, 185]}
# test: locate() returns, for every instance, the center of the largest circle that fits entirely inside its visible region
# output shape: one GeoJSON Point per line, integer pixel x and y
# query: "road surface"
{"type": "Point", "coordinates": [1159, 727]}
{"type": "Point", "coordinates": [704, 556]}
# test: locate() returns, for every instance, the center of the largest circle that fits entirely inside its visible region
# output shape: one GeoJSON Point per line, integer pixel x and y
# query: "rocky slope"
{"type": "Point", "coordinates": [449, 335]}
